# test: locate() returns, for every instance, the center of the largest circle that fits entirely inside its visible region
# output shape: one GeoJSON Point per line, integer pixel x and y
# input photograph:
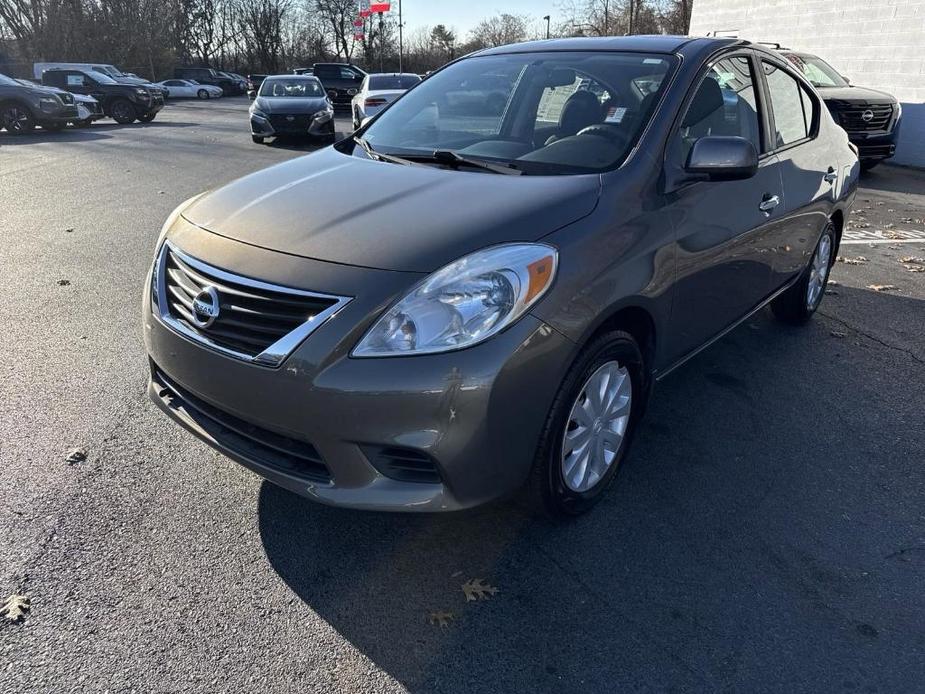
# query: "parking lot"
{"type": "Point", "coordinates": [768, 534]}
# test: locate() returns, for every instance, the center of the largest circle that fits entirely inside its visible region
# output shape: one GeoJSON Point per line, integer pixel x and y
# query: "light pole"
{"type": "Point", "coordinates": [401, 46]}
{"type": "Point", "coordinates": [547, 18]}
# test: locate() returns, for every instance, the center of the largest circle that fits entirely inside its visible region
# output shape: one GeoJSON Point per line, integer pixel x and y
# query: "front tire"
{"type": "Point", "coordinates": [798, 304]}
{"type": "Point", "coordinates": [202, 94]}
{"type": "Point", "coordinates": [122, 111]}
{"type": "Point", "coordinates": [17, 120]}
{"type": "Point", "coordinates": [590, 427]}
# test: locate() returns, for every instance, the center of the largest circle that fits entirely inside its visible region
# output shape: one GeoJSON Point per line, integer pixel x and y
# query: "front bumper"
{"type": "Point", "coordinates": [475, 414]}
{"type": "Point", "coordinates": [875, 146]}
{"type": "Point", "coordinates": [291, 124]}
{"type": "Point", "coordinates": [59, 116]}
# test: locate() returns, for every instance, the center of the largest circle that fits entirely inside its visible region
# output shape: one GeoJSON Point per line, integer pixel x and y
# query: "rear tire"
{"type": "Point", "coordinates": [122, 111]}
{"type": "Point", "coordinates": [17, 119]}
{"type": "Point", "coordinates": [557, 485]}
{"type": "Point", "coordinates": [798, 304]}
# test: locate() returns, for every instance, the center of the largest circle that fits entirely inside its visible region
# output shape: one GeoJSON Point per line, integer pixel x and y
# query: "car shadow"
{"type": "Point", "coordinates": [894, 179]}
{"type": "Point", "coordinates": [40, 136]}
{"type": "Point", "coordinates": [153, 124]}
{"type": "Point", "coordinates": [743, 547]}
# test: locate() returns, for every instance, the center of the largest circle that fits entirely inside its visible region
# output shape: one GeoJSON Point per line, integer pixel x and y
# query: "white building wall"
{"type": "Point", "coordinates": [875, 44]}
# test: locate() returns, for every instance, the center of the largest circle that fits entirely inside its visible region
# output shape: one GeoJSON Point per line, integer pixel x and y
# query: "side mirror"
{"type": "Point", "coordinates": [251, 94]}
{"type": "Point", "coordinates": [723, 158]}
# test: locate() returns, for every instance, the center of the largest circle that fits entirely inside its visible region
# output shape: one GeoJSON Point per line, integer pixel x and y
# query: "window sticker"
{"type": "Point", "coordinates": [615, 114]}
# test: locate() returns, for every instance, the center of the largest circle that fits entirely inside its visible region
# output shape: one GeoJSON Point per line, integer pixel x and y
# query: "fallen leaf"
{"type": "Point", "coordinates": [475, 589]}
{"type": "Point", "coordinates": [883, 287]}
{"type": "Point", "coordinates": [914, 259]}
{"type": "Point", "coordinates": [915, 268]}
{"type": "Point", "coordinates": [441, 619]}
{"type": "Point", "coordinates": [15, 607]}
{"type": "Point", "coordinates": [76, 455]}
{"type": "Point", "coordinates": [63, 283]}
{"type": "Point", "coordinates": [831, 292]}
{"type": "Point", "coordinates": [834, 283]}
{"type": "Point", "coordinates": [836, 333]}
{"type": "Point", "coordinates": [69, 230]}
{"type": "Point", "coordinates": [851, 261]}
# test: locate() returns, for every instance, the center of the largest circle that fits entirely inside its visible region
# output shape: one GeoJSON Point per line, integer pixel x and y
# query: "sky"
{"type": "Point", "coordinates": [465, 14]}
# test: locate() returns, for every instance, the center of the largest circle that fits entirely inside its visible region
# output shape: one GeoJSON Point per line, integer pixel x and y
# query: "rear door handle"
{"type": "Point", "coordinates": [830, 176]}
{"type": "Point", "coordinates": [768, 203]}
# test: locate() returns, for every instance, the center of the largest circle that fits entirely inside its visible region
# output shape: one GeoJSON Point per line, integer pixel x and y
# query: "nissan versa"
{"type": "Point", "coordinates": [492, 313]}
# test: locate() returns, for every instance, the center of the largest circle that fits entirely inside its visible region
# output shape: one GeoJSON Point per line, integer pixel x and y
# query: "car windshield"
{"type": "Point", "coordinates": [291, 87]}
{"type": "Point", "coordinates": [539, 113]}
{"type": "Point", "coordinates": [817, 71]}
{"type": "Point", "coordinates": [7, 81]}
{"type": "Point", "coordinates": [103, 79]}
{"type": "Point", "coordinates": [392, 81]}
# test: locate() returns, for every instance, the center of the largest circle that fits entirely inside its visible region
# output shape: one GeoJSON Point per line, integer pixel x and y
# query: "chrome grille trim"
{"type": "Point", "coordinates": [271, 356]}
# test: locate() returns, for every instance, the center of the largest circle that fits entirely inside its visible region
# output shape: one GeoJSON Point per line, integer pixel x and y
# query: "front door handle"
{"type": "Point", "coordinates": [830, 176]}
{"type": "Point", "coordinates": [768, 203]}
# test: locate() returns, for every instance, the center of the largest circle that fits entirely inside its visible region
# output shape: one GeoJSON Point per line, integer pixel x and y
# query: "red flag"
{"type": "Point", "coordinates": [358, 36]}
{"type": "Point", "coordinates": [365, 10]}
{"type": "Point", "coordinates": [380, 6]}
{"type": "Point", "coordinates": [358, 22]}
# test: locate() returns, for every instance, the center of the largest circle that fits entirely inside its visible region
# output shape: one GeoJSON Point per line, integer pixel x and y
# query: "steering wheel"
{"type": "Point", "coordinates": [608, 132]}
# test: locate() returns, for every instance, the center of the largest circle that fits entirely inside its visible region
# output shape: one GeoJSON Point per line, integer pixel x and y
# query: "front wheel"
{"type": "Point", "coordinates": [589, 427]}
{"type": "Point", "coordinates": [798, 304]}
{"type": "Point", "coordinates": [202, 94]}
{"type": "Point", "coordinates": [16, 119]}
{"type": "Point", "coordinates": [122, 111]}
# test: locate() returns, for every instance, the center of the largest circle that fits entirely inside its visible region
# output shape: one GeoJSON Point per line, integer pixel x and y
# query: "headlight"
{"type": "Point", "coordinates": [324, 116]}
{"type": "Point", "coordinates": [141, 92]}
{"type": "Point", "coordinates": [899, 110]}
{"type": "Point", "coordinates": [464, 303]}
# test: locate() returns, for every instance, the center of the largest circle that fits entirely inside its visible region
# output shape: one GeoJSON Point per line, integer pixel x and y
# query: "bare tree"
{"type": "Point", "coordinates": [498, 31]}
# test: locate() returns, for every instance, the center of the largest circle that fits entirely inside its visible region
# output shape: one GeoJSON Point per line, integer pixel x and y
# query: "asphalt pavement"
{"type": "Point", "coordinates": [768, 534]}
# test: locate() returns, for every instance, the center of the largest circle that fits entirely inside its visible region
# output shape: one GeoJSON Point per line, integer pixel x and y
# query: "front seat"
{"type": "Point", "coordinates": [581, 109]}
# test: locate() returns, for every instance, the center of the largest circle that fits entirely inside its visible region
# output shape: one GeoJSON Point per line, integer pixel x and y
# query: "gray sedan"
{"type": "Point", "coordinates": [462, 303]}
{"type": "Point", "coordinates": [291, 105]}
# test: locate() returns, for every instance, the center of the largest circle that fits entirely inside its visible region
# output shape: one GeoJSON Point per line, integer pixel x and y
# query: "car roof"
{"type": "Point", "coordinates": [656, 43]}
{"type": "Point", "coordinates": [310, 78]}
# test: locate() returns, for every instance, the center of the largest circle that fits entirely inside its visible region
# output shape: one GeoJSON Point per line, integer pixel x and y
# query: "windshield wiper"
{"type": "Point", "coordinates": [455, 159]}
{"type": "Point", "coordinates": [379, 156]}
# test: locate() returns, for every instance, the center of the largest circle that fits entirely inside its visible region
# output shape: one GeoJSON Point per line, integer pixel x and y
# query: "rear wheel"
{"type": "Point", "coordinates": [16, 119]}
{"type": "Point", "coordinates": [589, 427]}
{"type": "Point", "coordinates": [202, 94]}
{"type": "Point", "coordinates": [122, 111]}
{"type": "Point", "coordinates": [798, 304]}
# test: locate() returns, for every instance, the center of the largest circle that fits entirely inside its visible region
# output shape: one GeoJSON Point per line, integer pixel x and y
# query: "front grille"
{"type": "Point", "coordinates": [852, 119]}
{"type": "Point", "coordinates": [403, 464]}
{"type": "Point", "coordinates": [251, 442]}
{"type": "Point", "coordinates": [299, 123]}
{"type": "Point", "coordinates": [244, 318]}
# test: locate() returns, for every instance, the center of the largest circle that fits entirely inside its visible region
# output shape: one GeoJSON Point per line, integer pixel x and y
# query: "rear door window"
{"type": "Point", "coordinates": [793, 107]}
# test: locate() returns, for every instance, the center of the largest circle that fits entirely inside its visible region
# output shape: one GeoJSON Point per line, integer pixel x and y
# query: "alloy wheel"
{"type": "Point", "coordinates": [596, 427]}
{"type": "Point", "coordinates": [818, 271]}
{"type": "Point", "coordinates": [16, 120]}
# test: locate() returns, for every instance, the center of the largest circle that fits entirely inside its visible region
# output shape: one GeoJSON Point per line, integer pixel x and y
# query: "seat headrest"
{"type": "Point", "coordinates": [708, 99]}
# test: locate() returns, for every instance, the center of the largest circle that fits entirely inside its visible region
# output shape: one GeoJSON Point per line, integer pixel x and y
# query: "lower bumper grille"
{"type": "Point", "coordinates": [250, 442]}
{"type": "Point", "coordinates": [291, 124]}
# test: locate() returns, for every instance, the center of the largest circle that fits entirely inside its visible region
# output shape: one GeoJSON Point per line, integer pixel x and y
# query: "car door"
{"type": "Point", "coordinates": [723, 228]}
{"type": "Point", "coordinates": [809, 167]}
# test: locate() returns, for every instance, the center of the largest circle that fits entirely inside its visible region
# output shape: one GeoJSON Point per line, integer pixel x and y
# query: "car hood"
{"type": "Point", "coordinates": [350, 210]}
{"type": "Point", "coordinates": [291, 104]}
{"type": "Point", "coordinates": [854, 95]}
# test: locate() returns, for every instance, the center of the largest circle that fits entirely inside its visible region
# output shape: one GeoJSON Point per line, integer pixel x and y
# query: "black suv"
{"type": "Point", "coordinates": [341, 81]}
{"type": "Point", "coordinates": [870, 117]}
{"type": "Point", "coordinates": [124, 103]}
{"type": "Point", "coordinates": [23, 107]}
{"type": "Point", "coordinates": [206, 75]}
